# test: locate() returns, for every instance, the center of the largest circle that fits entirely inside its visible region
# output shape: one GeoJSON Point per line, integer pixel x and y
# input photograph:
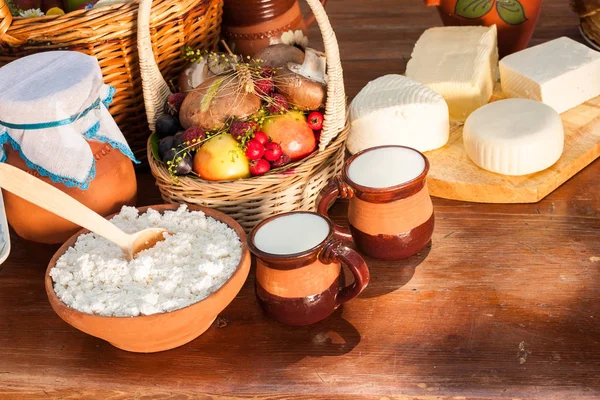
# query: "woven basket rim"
{"type": "Point", "coordinates": [333, 146]}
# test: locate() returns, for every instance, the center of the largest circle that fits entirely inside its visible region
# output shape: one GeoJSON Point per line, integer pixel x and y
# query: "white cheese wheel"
{"type": "Point", "coordinates": [514, 136]}
{"type": "Point", "coordinates": [395, 110]}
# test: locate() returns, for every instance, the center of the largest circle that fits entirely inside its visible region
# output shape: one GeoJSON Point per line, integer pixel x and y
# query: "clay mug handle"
{"type": "Point", "coordinates": [311, 19]}
{"type": "Point", "coordinates": [334, 251]}
{"type": "Point", "coordinates": [336, 188]}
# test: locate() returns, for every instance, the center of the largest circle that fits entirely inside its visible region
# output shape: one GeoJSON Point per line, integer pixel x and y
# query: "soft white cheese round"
{"type": "Point", "coordinates": [514, 136]}
{"type": "Point", "coordinates": [395, 110]}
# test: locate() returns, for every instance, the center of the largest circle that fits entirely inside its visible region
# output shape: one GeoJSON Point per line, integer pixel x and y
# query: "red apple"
{"type": "Point", "coordinates": [25, 5]}
{"type": "Point", "coordinates": [292, 133]}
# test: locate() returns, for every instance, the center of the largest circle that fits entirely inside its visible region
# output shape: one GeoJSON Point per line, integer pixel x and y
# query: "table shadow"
{"type": "Point", "coordinates": [389, 276]}
{"type": "Point", "coordinates": [332, 337]}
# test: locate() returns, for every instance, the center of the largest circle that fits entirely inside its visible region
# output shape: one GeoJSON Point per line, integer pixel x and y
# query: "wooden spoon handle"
{"type": "Point", "coordinates": [52, 199]}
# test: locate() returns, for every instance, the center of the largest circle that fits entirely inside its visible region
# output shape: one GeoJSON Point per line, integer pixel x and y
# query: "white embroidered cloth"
{"type": "Point", "coordinates": [50, 104]}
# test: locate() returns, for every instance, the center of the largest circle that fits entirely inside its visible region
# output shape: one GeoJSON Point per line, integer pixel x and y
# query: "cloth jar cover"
{"type": "Point", "coordinates": [51, 103]}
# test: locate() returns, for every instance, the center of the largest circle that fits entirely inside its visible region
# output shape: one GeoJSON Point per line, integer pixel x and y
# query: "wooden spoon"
{"type": "Point", "coordinates": [52, 199]}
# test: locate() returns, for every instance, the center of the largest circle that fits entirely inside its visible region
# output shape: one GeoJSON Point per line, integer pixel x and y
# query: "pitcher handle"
{"type": "Point", "coordinates": [336, 188]}
{"type": "Point", "coordinates": [311, 18]}
{"type": "Point", "coordinates": [334, 251]}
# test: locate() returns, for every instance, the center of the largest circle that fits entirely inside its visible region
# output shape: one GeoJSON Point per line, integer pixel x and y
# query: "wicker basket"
{"type": "Point", "coordinates": [109, 34]}
{"type": "Point", "coordinates": [251, 200]}
{"type": "Point", "coordinates": [589, 17]}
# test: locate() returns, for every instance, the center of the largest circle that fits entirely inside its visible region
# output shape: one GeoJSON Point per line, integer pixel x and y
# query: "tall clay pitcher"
{"type": "Point", "coordinates": [251, 25]}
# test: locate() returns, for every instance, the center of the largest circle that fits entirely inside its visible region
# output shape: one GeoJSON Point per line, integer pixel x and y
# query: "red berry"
{"type": "Point", "coordinates": [254, 150]}
{"type": "Point", "coordinates": [318, 135]}
{"type": "Point", "coordinates": [253, 126]}
{"type": "Point", "coordinates": [281, 161]}
{"type": "Point", "coordinates": [259, 167]}
{"type": "Point", "coordinates": [174, 103]}
{"type": "Point", "coordinates": [266, 71]}
{"type": "Point", "coordinates": [240, 129]}
{"type": "Point", "coordinates": [315, 120]}
{"type": "Point", "coordinates": [261, 137]}
{"type": "Point", "coordinates": [264, 86]}
{"type": "Point", "coordinates": [272, 151]}
{"type": "Point", "coordinates": [278, 104]}
{"type": "Point", "coordinates": [194, 136]}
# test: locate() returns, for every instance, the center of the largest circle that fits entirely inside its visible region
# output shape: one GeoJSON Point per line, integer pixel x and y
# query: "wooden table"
{"type": "Point", "coordinates": [505, 303]}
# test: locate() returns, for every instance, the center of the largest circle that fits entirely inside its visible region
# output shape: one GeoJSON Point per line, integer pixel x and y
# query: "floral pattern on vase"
{"type": "Point", "coordinates": [515, 19]}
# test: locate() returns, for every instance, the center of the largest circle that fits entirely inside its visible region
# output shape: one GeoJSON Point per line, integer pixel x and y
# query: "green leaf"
{"type": "Point", "coordinates": [511, 11]}
{"type": "Point", "coordinates": [154, 141]}
{"type": "Point", "coordinates": [473, 8]}
{"type": "Point", "coordinates": [211, 93]}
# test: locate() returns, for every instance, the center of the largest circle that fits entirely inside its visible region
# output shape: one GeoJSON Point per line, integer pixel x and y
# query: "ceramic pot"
{"type": "Point", "coordinates": [157, 332]}
{"type": "Point", "coordinates": [248, 25]}
{"type": "Point", "coordinates": [113, 187]}
{"type": "Point", "coordinates": [306, 287]}
{"type": "Point", "coordinates": [515, 19]}
{"type": "Point", "coordinates": [389, 223]}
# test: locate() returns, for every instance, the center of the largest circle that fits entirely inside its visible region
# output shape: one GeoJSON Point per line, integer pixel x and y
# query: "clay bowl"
{"type": "Point", "coordinates": [158, 332]}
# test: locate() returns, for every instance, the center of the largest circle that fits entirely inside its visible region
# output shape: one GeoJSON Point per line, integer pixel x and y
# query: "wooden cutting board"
{"type": "Point", "coordinates": [454, 176]}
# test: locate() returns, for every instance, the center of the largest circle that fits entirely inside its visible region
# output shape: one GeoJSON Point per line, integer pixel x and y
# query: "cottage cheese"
{"type": "Point", "coordinates": [94, 277]}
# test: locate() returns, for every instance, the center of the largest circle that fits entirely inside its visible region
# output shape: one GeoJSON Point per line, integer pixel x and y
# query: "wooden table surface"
{"type": "Point", "coordinates": [504, 304]}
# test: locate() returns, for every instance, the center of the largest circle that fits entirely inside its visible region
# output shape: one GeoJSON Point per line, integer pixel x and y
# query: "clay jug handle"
{"type": "Point", "coordinates": [311, 18]}
{"type": "Point", "coordinates": [336, 188]}
{"type": "Point", "coordinates": [334, 251]}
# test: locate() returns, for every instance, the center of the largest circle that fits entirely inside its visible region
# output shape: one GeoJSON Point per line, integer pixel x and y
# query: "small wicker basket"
{"type": "Point", "coordinates": [250, 201]}
{"type": "Point", "coordinates": [589, 17]}
{"type": "Point", "coordinates": [109, 34]}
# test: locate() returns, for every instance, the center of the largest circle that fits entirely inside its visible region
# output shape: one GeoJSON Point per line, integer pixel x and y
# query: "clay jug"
{"type": "Point", "coordinates": [248, 25]}
{"type": "Point", "coordinates": [515, 19]}
{"type": "Point", "coordinates": [114, 186]}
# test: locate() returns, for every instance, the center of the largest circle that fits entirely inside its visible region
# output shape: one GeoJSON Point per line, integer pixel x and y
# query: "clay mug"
{"type": "Point", "coordinates": [299, 274]}
{"type": "Point", "coordinates": [249, 25]}
{"type": "Point", "coordinates": [390, 212]}
{"type": "Point", "coordinates": [515, 19]}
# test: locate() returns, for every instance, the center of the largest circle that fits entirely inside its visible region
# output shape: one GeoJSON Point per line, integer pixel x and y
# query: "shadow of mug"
{"type": "Point", "coordinates": [387, 277]}
{"type": "Point", "coordinates": [331, 337]}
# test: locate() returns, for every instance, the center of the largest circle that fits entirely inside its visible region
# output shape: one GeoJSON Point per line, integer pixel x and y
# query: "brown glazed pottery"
{"type": "Point", "coordinates": [248, 25]}
{"type": "Point", "coordinates": [389, 223]}
{"type": "Point", "coordinates": [114, 186]}
{"type": "Point", "coordinates": [515, 19]}
{"type": "Point", "coordinates": [306, 287]}
{"type": "Point", "coordinates": [157, 332]}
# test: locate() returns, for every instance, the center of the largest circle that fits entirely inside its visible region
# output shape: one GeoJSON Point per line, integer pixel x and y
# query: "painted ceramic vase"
{"type": "Point", "coordinates": [249, 25]}
{"type": "Point", "coordinates": [306, 287]}
{"type": "Point", "coordinates": [389, 223]}
{"type": "Point", "coordinates": [114, 186]}
{"type": "Point", "coordinates": [515, 19]}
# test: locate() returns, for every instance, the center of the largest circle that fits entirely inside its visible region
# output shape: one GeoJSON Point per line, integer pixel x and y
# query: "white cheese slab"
{"type": "Point", "coordinates": [458, 62]}
{"type": "Point", "coordinates": [561, 73]}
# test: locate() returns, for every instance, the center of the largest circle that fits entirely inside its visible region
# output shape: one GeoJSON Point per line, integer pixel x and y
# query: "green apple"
{"type": "Point", "coordinates": [221, 158]}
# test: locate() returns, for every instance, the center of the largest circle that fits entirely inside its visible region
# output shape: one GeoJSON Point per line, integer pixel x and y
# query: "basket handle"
{"type": "Point", "coordinates": [311, 19]}
{"type": "Point", "coordinates": [154, 87]}
{"type": "Point", "coordinates": [156, 90]}
{"type": "Point", "coordinates": [335, 107]}
{"type": "Point", "coordinates": [6, 19]}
